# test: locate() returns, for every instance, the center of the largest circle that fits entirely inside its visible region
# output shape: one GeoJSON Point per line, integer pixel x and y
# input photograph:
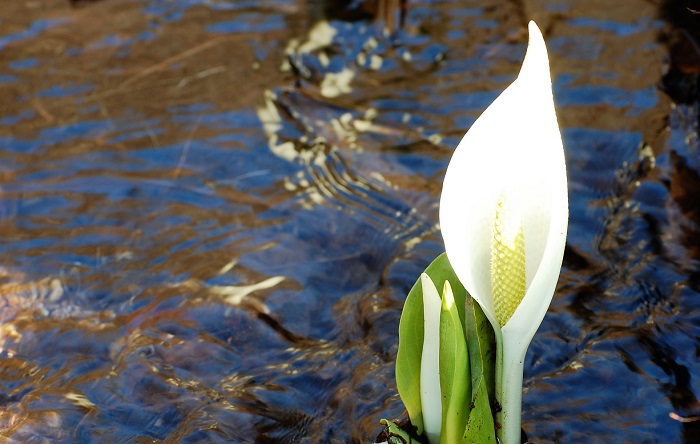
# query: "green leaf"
{"type": "Point", "coordinates": [480, 427]}
{"type": "Point", "coordinates": [455, 383]}
{"type": "Point", "coordinates": [409, 355]}
{"type": "Point", "coordinates": [481, 344]}
{"type": "Point", "coordinates": [411, 333]}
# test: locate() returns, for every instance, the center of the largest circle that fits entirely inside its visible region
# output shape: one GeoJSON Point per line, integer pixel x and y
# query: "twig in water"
{"type": "Point", "coordinates": [677, 417]}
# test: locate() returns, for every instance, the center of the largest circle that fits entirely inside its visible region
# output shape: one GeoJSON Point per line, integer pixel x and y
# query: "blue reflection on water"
{"type": "Point", "coordinates": [615, 27]}
{"type": "Point", "coordinates": [72, 131]}
{"type": "Point", "coordinates": [248, 22]}
{"type": "Point", "coordinates": [24, 63]}
{"type": "Point", "coordinates": [8, 78]}
{"type": "Point", "coordinates": [578, 47]}
{"type": "Point", "coordinates": [66, 90]}
{"type": "Point", "coordinates": [35, 29]}
{"type": "Point", "coordinates": [13, 120]}
{"type": "Point", "coordinates": [587, 95]}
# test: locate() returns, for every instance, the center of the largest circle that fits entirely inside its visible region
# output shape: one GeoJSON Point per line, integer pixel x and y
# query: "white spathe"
{"type": "Point", "coordinates": [514, 149]}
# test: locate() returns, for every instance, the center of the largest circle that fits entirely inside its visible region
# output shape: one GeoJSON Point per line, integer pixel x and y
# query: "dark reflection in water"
{"type": "Point", "coordinates": [211, 211]}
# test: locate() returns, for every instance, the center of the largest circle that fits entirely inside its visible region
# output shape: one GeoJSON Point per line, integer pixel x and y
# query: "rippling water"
{"type": "Point", "coordinates": [211, 211]}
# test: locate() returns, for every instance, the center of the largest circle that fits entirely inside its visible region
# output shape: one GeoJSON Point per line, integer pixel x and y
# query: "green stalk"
{"type": "Point", "coordinates": [509, 389]}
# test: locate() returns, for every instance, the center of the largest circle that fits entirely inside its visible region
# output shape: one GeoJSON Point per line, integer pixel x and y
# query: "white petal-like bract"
{"type": "Point", "coordinates": [514, 149]}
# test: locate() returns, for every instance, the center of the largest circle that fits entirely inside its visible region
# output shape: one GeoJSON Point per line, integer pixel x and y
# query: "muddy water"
{"type": "Point", "coordinates": [211, 211]}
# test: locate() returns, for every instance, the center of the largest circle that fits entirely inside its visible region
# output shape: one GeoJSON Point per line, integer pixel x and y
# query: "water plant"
{"type": "Point", "coordinates": [503, 216]}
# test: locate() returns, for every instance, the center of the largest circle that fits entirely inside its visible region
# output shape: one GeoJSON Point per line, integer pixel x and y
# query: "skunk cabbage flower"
{"type": "Point", "coordinates": [504, 215]}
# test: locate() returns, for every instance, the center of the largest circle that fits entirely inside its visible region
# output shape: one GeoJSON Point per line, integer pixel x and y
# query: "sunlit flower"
{"type": "Point", "coordinates": [504, 215]}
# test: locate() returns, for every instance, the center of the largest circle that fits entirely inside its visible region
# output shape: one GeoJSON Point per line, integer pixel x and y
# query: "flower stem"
{"type": "Point", "coordinates": [509, 388]}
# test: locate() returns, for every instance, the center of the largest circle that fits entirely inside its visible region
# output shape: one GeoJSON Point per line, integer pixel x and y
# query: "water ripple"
{"type": "Point", "coordinates": [211, 212]}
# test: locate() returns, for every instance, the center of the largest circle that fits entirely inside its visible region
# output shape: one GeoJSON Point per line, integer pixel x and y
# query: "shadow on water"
{"type": "Point", "coordinates": [211, 212]}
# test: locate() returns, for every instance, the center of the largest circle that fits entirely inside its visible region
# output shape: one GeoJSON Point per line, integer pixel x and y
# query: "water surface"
{"type": "Point", "coordinates": [211, 212]}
